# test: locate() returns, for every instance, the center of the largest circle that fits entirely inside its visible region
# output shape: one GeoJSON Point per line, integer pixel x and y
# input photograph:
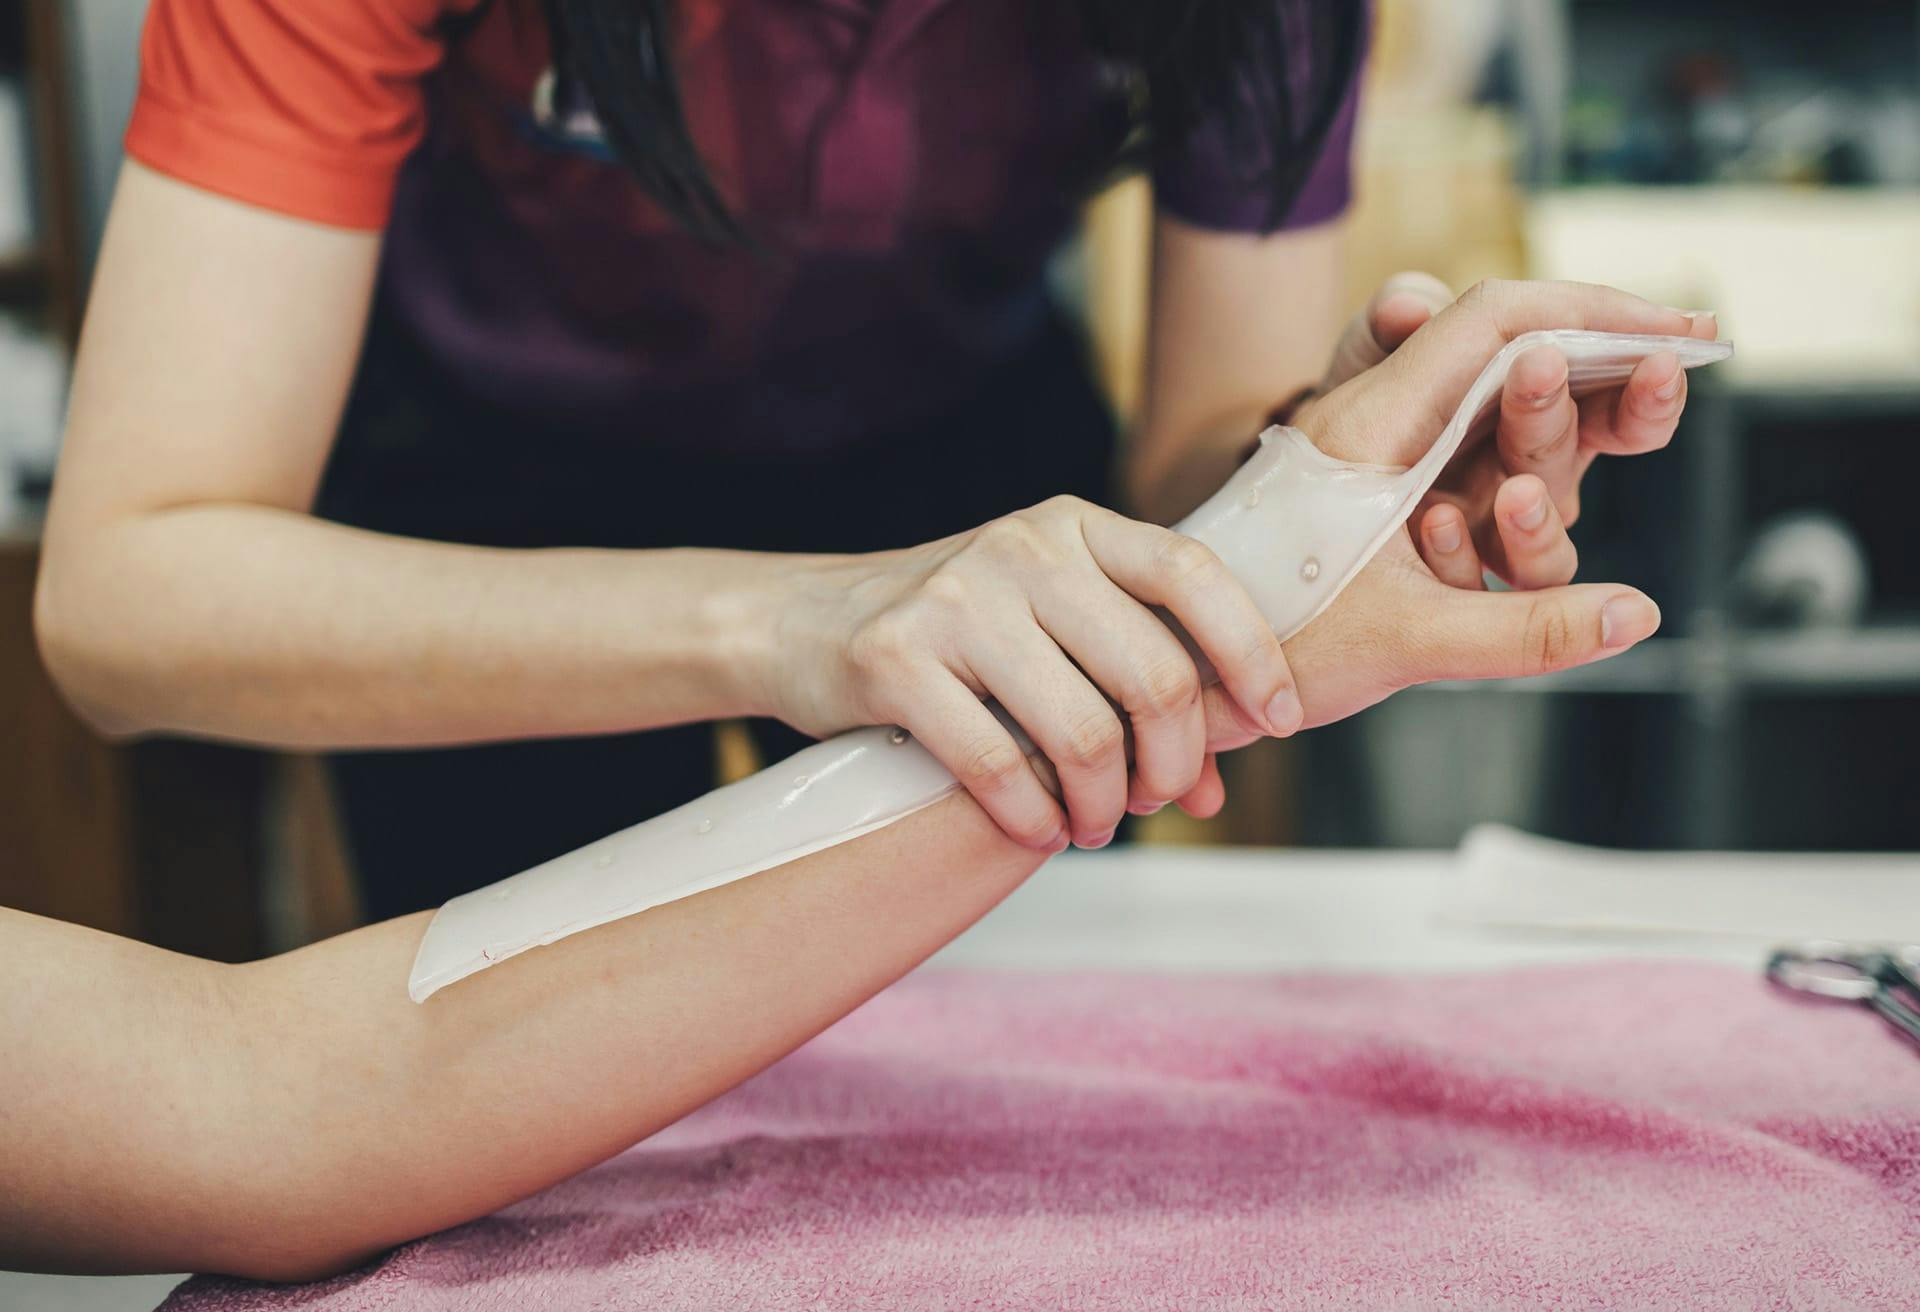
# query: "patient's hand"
{"type": "Point", "coordinates": [1397, 624]}
{"type": "Point", "coordinates": [1411, 617]}
{"type": "Point", "coordinates": [1507, 503]}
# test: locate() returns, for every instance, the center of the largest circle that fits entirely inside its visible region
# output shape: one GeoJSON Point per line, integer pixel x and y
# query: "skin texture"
{"type": "Point", "coordinates": [185, 587]}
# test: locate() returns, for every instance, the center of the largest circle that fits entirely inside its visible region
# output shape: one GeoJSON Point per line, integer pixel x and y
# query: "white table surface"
{"type": "Point", "coordinates": [1211, 909]}
{"type": "Point", "coordinates": [1257, 909]}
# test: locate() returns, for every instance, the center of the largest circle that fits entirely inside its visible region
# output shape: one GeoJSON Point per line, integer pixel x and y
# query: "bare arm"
{"type": "Point", "coordinates": [186, 588]}
{"type": "Point", "coordinates": [287, 1118]}
{"type": "Point", "coordinates": [1239, 323]}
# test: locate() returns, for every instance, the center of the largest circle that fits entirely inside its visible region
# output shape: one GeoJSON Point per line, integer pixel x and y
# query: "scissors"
{"type": "Point", "coordinates": [1884, 978]}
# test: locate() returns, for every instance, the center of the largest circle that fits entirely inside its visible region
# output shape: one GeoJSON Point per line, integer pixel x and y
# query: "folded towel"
{"type": "Point", "coordinates": [1618, 1136]}
{"type": "Point", "coordinates": [1513, 879]}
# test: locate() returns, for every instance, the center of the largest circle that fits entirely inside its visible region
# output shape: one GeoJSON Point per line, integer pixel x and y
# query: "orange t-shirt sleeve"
{"type": "Point", "coordinates": [307, 107]}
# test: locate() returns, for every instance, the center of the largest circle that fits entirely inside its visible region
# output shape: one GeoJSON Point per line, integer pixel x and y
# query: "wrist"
{"type": "Point", "coordinates": [770, 629]}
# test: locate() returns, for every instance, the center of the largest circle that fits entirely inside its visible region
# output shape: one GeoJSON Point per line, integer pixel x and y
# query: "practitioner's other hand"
{"type": "Point", "coordinates": [1506, 504]}
{"type": "Point", "coordinates": [1050, 613]}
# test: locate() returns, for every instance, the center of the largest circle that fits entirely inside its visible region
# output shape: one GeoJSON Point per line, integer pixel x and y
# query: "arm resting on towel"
{"type": "Point", "coordinates": [288, 1118]}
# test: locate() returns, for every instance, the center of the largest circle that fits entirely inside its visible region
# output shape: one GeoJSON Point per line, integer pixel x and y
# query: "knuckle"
{"type": "Point", "coordinates": [1262, 649]}
{"type": "Point", "coordinates": [1012, 535]}
{"type": "Point", "coordinates": [882, 646]}
{"type": "Point", "coordinates": [1547, 641]}
{"type": "Point", "coordinates": [948, 587]}
{"type": "Point", "coordinates": [1173, 779]}
{"type": "Point", "coordinates": [1093, 741]}
{"type": "Point", "coordinates": [1168, 687]}
{"type": "Point", "coordinates": [1183, 561]}
{"type": "Point", "coordinates": [1487, 289]}
{"type": "Point", "coordinates": [1030, 833]}
{"type": "Point", "coordinates": [990, 763]}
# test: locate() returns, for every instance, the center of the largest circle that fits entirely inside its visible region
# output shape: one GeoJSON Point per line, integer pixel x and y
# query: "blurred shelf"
{"type": "Point", "coordinates": [1861, 660]}
{"type": "Point", "coordinates": [1837, 663]}
{"type": "Point", "coordinates": [1866, 397]}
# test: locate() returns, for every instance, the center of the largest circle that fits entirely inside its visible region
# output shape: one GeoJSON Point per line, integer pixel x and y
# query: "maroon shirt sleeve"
{"type": "Point", "coordinates": [1219, 179]}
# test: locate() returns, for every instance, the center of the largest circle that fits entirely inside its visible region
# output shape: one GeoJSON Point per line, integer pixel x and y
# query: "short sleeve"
{"type": "Point", "coordinates": [1214, 181]}
{"type": "Point", "coordinates": [305, 108]}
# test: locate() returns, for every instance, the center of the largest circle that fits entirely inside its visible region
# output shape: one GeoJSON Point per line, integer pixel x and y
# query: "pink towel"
{"type": "Point", "coordinates": [1619, 1136]}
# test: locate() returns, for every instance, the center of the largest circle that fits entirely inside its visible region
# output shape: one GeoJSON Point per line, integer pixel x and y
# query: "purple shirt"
{"type": "Point", "coordinates": [912, 165]}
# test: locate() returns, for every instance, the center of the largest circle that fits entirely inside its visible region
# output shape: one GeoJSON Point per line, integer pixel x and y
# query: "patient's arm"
{"type": "Point", "coordinates": [289, 1117]}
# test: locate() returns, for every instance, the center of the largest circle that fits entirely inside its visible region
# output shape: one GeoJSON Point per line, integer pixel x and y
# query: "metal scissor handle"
{"type": "Point", "coordinates": [1886, 979]}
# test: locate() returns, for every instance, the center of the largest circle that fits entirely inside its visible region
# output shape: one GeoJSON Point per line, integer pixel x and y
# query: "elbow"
{"type": "Point", "coordinates": [85, 655]}
{"type": "Point", "coordinates": [295, 1264]}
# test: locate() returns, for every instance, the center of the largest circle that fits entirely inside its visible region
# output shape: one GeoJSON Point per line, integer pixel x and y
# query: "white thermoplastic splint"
{"type": "Point", "coordinates": [1293, 525]}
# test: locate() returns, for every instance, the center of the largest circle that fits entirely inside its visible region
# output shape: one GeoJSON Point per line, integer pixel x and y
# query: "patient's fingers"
{"type": "Point", "coordinates": [1397, 318]}
{"type": "Point", "coordinates": [1208, 796]}
{"type": "Point", "coordinates": [1500, 635]}
{"type": "Point", "coordinates": [1447, 547]}
{"type": "Point", "coordinates": [1422, 383]}
{"type": "Point", "coordinates": [1639, 416]}
{"type": "Point", "coordinates": [1404, 302]}
{"type": "Point", "coordinates": [1539, 430]}
{"type": "Point", "coordinates": [1228, 728]}
{"type": "Point", "coordinates": [1538, 552]}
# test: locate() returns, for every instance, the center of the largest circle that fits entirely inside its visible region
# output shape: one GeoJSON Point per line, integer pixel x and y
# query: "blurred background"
{"type": "Point", "coordinates": [1760, 158]}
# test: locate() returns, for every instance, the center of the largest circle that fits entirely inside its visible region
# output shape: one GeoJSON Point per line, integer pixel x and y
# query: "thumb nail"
{"type": "Point", "coordinates": [1627, 619]}
{"type": "Point", "coordinates": [1284, 712]}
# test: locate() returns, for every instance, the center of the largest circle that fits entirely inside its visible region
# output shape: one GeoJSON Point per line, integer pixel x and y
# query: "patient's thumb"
{"type": "Point", "coordinates": [1505, 635]}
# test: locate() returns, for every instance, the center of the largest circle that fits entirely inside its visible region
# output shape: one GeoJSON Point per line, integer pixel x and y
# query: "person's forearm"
{"type": "Point", "coordinates": [270, 626]}
{"type": "Point", "coordinates": [1239, 324]}
{"type": "Point", "coordinates": [287, 1118]}
{"type": "Point", "coordinates": [1174, 473]}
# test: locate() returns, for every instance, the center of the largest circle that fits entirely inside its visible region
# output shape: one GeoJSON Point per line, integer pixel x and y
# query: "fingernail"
{"type": "Point", "coordinates": [1444, 537]}
{"type": "Point", "coordinates": [1627, 619]}
{"type": "Point", "coordinates": [1284, 712]}
{"type": "Point", "coordinates": [1532, 514]}
{"type": "Point", "coordinates": [1096, 843]}
{"type": "Point", "coordinates": [1670, 389]}
{"type": "Point", "coordinates": [1145, 808]}
{"type": "Point", "coordinates": [1061, 841]}
{"type": "Point", "coordinates": [1540, 397]}
{"type": "Point", "coordinates": [1697, 317]}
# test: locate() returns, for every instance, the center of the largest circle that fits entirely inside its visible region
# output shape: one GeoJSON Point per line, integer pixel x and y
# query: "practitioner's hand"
{"type": "Point", "coordinates": [1048, 612]}
{"type": "Point", "coordinates": [1508, 503]}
